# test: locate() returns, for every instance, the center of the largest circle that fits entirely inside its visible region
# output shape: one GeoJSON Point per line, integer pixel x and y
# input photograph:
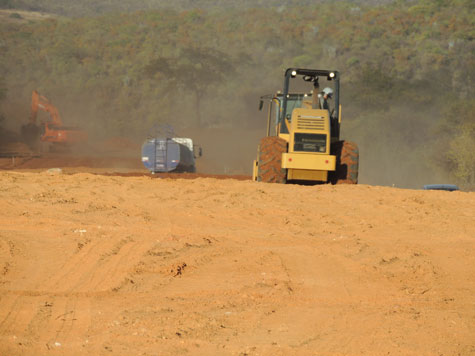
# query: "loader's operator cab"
{"type": "Point", "coordinates": [314, 77]}
{"type": "Point", "coordinates": [275, 110]}
{"type": "Point", "coordinates": [294, 100]}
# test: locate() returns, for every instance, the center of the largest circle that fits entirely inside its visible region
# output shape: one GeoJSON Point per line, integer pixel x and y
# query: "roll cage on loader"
{"type": "Point", "coordinates": [305, 145]}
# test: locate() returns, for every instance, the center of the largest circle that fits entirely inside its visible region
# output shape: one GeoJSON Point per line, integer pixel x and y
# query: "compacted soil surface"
{"type": "Point", "coordinates": [95, 264]}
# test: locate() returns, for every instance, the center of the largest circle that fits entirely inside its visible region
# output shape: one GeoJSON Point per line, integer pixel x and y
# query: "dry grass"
{"type": "Point", "coordinates": [19, 16]}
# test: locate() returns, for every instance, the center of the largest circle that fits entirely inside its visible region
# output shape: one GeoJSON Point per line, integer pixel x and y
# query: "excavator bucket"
{"type": "Point", "coordinates": [31, 134]}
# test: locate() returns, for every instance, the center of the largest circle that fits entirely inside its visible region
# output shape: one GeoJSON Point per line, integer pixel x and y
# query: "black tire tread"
{"type": "Point", "coordinates": [347, 163]}
{"type": "Point", "coordinates": [269, 166]}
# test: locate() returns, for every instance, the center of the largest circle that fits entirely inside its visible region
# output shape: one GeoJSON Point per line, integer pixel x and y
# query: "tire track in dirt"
{"type": "Point", "coordinates": [10, 312]}
{"type": "Point", "coordinates": [41, 315]}
{"type": "Point", "coordinates": [161, 262]}
{"type": "Point", "coordinates": [67, 275]}
{"type": "Point", "coordinates": [73, 319]}
{"type": "Point", "coordinates": [7, 248]}
{"type": "Point", "coordinates": [109, 273]}
{"type": "Point", "coordinates": [221, 297]}
{"type": "Point", "coordinates": [100, 265]}
{"type": "Point", "coordinates": [46, 323]}
{"type": "Point", "coordinates": [30, 317]}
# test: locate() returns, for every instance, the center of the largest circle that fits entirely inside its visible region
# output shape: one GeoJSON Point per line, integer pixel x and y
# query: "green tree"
{"type": "Point", "coordinates": [456, 132]}
{"type": "Point", "coordinates": [3, 95]}
{"type": "Point", "coordinates": [6, 4]}
{"type": "Point", "coordinates": [196, 70]}
{"type": "Point", "coordinates": [3, 90]}
{"type": "Point", "coordinates": [462, 155]}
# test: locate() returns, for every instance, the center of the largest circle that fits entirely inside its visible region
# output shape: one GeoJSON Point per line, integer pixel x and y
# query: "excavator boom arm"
{"type": "Point", "coordinates": [40, 102]}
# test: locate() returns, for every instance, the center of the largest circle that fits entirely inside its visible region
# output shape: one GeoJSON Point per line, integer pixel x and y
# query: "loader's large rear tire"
{"type": "Point", "coordinates": [269, 165]}
{"type": "Point", "coordinates": [347, 158]}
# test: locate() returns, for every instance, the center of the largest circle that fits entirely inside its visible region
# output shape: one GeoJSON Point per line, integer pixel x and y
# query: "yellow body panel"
{"type": "Point", "coordinates": [305, 174]}
{"type": "Point", "coordinates": [313, 121]}
{"type": "Point", "coordinates": [309, 161]}
{"type": "Point", "coordinates": [310, 166]}
{"type": "Point", "coordinates": [254, 170]}
{"type": "Point", "coordinates": [286, 137]}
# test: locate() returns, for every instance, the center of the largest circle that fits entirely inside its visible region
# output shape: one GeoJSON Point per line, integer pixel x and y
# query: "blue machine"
{"type": "Point", "coordinates": [168, 154]}
{"type": "Point", "coordinates": [447, 187]}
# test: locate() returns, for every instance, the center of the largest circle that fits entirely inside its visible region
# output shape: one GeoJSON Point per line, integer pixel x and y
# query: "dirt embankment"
{"type": "Point", "coordinates": [109, 166]}
{"type": "Point", "coordinates": [100, 265]}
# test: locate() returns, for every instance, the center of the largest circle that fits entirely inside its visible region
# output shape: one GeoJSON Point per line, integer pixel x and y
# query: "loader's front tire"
{"type": "Point", "coordinates": [347, 162]}
{"type": "Point", "coordinates": [269, 160]}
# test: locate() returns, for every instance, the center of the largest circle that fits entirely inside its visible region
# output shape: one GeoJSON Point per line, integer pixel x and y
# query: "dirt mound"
{"type": "Point", "coordinates": [178, 175]}
{"type": "Point", "coordinates": [98, 265]}
{"type": "Point", "coordinates": [109, 166]}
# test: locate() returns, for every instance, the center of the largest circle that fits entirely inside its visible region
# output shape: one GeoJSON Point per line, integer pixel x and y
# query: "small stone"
{"type": "Point", "coordinates": [54, 171]}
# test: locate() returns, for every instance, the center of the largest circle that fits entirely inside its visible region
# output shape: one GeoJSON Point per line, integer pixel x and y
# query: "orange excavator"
{"type": "Point", "coordinates": [52, 130]}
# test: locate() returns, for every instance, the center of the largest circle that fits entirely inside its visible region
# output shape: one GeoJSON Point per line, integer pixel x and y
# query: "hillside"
{"type": "Point", "coordinates": [22, 16]}
{"type": "Point", "coordinates": [407, 69]}
{"type": "Point", "coordinates": [83, 8]}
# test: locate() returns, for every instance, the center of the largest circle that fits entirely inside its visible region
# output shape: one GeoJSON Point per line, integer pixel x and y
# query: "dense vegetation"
{"type": "Point", "coordinates": [408, 72]}
{"type": "Point", "coordinates": [81, 8]}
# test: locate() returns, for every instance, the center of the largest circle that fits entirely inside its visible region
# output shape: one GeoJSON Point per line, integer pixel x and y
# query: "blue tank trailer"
{"type": "Point", "coordinates": [177, 154]}
{"type": "Point", "coordinates": [446, 187]}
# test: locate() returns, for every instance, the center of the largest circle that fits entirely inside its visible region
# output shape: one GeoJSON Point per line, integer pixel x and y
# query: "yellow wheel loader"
{"type": "Point", "coordinates": [303, 134]}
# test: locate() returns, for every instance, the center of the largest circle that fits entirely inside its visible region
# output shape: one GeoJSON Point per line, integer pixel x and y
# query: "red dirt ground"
{"type": "Point", "coordinates": [129, 265]}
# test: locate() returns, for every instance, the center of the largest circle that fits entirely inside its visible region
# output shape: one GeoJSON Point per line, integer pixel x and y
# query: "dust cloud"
{"type": "Point", "coordinates": [394, 143]}
{"type": "Point", "coordinates": [229, 144]}
{"type": "Point", "coordinates": [396, 140]}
